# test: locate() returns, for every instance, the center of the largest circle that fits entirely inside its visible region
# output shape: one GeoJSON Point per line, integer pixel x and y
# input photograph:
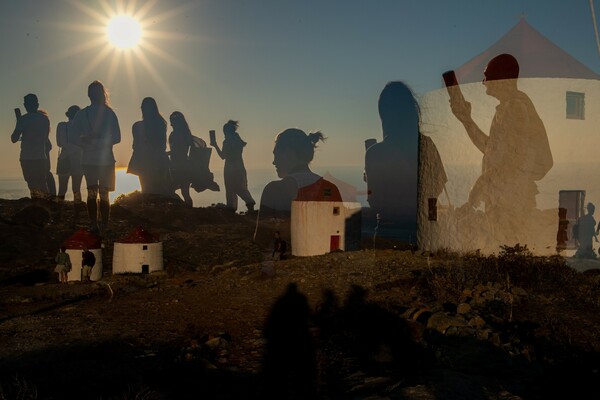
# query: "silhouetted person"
{"type": "Point", "coordinates": [69, 159]}
{"type": "Point", "coordinates": [586, 230]}
{"type": "Point", "coordinates": [290, 362]}
{"type": "Point", "coordinates": [293, 152]}
{"type": "Point", "coordinates": [392, 165]}
{"type": "Point", "coordinates": [50, 182]}
{"type": "Point", "coordinates": [180, 141]}
{"type": "Point", "coordinates": [149, 160]}
{"type": "Point", "coordinates": [236, 179]}
{"type": "Point", "coordinates": [98, 128]}
{"type": "Point", "coordinates": [63, 265]}
{"type": "Point", "coordinates": [32, 129]}
{"type": "Point", "coordinates": [516, 152]}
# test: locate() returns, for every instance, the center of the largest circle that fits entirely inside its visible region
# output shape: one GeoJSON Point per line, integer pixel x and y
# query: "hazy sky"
{"type": "Point", "coordinates": [271, 64]}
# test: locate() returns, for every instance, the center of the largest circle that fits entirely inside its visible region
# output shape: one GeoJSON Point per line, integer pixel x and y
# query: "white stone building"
{"type": "Point", "coordinates": [139, 252]}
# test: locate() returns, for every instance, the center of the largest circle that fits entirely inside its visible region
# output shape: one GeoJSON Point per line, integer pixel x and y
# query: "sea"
{"type": "Point", "coordinates": [13, 188]}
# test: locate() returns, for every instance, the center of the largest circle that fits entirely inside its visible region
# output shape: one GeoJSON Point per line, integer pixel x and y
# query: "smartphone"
{"type": "Point", "coordinates": [452, 85]}
{"type": "Point", "coordinates": [18, 112]}
{"type": "Point", "coordinates": [213, 138]}
{"type": "Point", "coordinates": [450, 78]}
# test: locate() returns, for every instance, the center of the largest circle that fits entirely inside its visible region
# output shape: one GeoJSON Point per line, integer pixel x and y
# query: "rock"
{"type": "Point", "coordinates": [463, 308]}
{"type": "Point", "coordinates": [441, 322]}
{"type": "Point", "coordinates": [33, 216]}
{"type": "Point", "coordinates": [476, 321]}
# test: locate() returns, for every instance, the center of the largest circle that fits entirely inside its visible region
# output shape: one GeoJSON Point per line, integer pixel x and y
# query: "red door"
{"type": "Point", "coordinates": [334, 242]}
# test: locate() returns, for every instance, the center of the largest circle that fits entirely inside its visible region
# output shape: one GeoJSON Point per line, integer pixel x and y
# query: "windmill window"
{"type": "Point", "coordinates": [575, 105]}
{"type": "Point", "coordinates": [336, 211]}
{"type": "Point", "coordinates": [145, 247]}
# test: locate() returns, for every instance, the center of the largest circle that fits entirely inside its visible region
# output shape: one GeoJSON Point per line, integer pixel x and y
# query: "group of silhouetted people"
{"type": "Point", "coordinates": [85, 140]}
{"type": "Point", "coordinates": [86, 143]}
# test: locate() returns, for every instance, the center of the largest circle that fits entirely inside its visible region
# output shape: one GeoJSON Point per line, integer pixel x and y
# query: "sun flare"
{"type": "Point", "coordinates": [124, 32]}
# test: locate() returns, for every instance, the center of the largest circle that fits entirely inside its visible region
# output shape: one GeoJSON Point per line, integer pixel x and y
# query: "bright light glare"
{"type": "Point", "coordinates": [124, 32]}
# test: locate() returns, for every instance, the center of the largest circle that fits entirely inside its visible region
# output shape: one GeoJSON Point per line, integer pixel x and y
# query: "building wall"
{"type": "Point", "coordinates": [314, 222]}
{"type": "Point", "coordinates": [130, 257]}
{"type": "Point", "coordinates": [75, 273]}
{"type": "Point", "coordinates": [573, 143]}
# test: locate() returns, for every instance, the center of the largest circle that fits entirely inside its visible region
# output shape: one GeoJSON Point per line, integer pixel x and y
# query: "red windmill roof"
{"type": "Point", "coordinates": [538, 57]}
{"type": "Point", "coordinates": [321, 190]}
{"type": "Point", "coordinates": [139, 235]}
{"type": "Point", "coordinates": [83, 238]}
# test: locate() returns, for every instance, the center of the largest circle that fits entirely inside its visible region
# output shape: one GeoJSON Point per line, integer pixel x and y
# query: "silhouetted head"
{"type": "Point", "coordinates": [230, 127]}
{"type": "Point", "coordinates": [500, 75]}
{"type": "Point", "coordinates": [72, 111]}
{"type": "Point", "coordinates": [591, 208]}
{"type": "Point", "coordinates": [179, 123]}
{"type": "Point", "coordinates": [31, 103]}
{"type": "Point", "coordinates": [63, 249]}
{"type": "Point", "coordinates": [98, 93]}
{"type": "Point", "coordinates": [294, 150]}
{"type": "Point", "coordinates": [149, 108]}
{"type": "Point", "coordinates": [501, 67]}
{"type": "Point", "coordinates": [399, 111]}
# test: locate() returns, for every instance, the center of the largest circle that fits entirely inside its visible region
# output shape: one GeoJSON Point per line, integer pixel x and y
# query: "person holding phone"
{"type": "Point", "coordinates": [32, 130]}
{"type": "Point", "coordinates": [236, 180]}
{"type": "Point", "coordinates": [516, 151]}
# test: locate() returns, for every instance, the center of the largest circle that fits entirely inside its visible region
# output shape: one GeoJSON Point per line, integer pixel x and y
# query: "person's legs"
{"type": "Point", "coordinates": [63, 184]}
{"type": "Point", "coordinates": [91, 173]}
{"type": "Point", "coordinates": [34, 174]}
{"type": "Point", "coordinates": [104, 208]}
{"type": "Point", "coordinates": [185, 192]}
{"type": "Point", "coordinates": [231, 198]}
{"type": "Point", "coordinates": [92, 208]}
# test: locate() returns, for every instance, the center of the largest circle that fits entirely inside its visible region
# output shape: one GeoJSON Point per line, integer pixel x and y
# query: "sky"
{"type": "Point", "coordinates": [270, 64]}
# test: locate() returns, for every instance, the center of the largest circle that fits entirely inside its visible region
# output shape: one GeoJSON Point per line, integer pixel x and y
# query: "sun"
{"type": "Point", "coordinates": [124, 32]}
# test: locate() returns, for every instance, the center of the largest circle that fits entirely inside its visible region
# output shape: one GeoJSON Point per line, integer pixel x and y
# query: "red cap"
{"type": "Point", "coordinates": [83, 238]}
{"type": "Point", "coordinates": [139, 235]}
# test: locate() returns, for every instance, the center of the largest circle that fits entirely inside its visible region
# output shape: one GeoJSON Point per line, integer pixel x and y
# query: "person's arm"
{"type": "Point", "coordinates": [219, 151]}
{"type": "Point", "coordinates": [16, 135]}
{"type": "Point", "coordinates": [462, 111]}
{"type": "Point", "coordinates": [116, 131]}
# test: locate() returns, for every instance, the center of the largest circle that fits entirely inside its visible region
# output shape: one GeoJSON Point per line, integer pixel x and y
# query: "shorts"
{"type": "Point", "coordinates": [86, 271]}
{"type": "Point", "coordinates": [34, 172]}
{"type": "Point", "coordinates": [100, 176]}
{"type": "Point", "coordinates": [61, 268]}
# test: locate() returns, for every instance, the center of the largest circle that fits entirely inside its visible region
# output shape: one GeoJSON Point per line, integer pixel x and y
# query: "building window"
{"type": "Point", "coordinates": [575, 105]}
{"type": "Point", "coordinates": [336, 211]}
{"type": "Point", "coordinates": [145, 247]}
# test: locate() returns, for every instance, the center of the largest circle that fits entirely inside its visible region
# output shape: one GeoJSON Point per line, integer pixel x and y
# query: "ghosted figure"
{"type": "Point", "coordinates": [63, 265]}
{"type": "Point", "coordinates": [69, 158]}
{"type": "Point", "coordinates": [586, 231]}
{"type": "Point", "coordinates": [293, 152]}
{"type": "Point", "coordinates": [180, 141]}
{"type": "Point", "coordinates": [392, 165]}
{"type": "Point", "coordinates": [289, 363]}
{"type": "Point", "coordinates": [236, 179]}
{"type": "Point", "coordinates": [50, 182]}
{"type": "Point", "coordinates": [149, 160]}
{"type": "Point", "coordinates": [516, 152]}
{"type": "Point", "coordinates": [98, 129]}
{"type": "Point", "coordinates": [32, 129]}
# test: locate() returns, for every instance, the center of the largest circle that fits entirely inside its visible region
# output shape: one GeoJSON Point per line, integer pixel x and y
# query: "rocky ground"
{"type": "Point", "coordinates": [221, 323]}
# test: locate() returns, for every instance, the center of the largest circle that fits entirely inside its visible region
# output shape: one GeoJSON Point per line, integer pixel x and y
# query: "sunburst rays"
{"type": "Point", "coordinates": [152, 46]}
